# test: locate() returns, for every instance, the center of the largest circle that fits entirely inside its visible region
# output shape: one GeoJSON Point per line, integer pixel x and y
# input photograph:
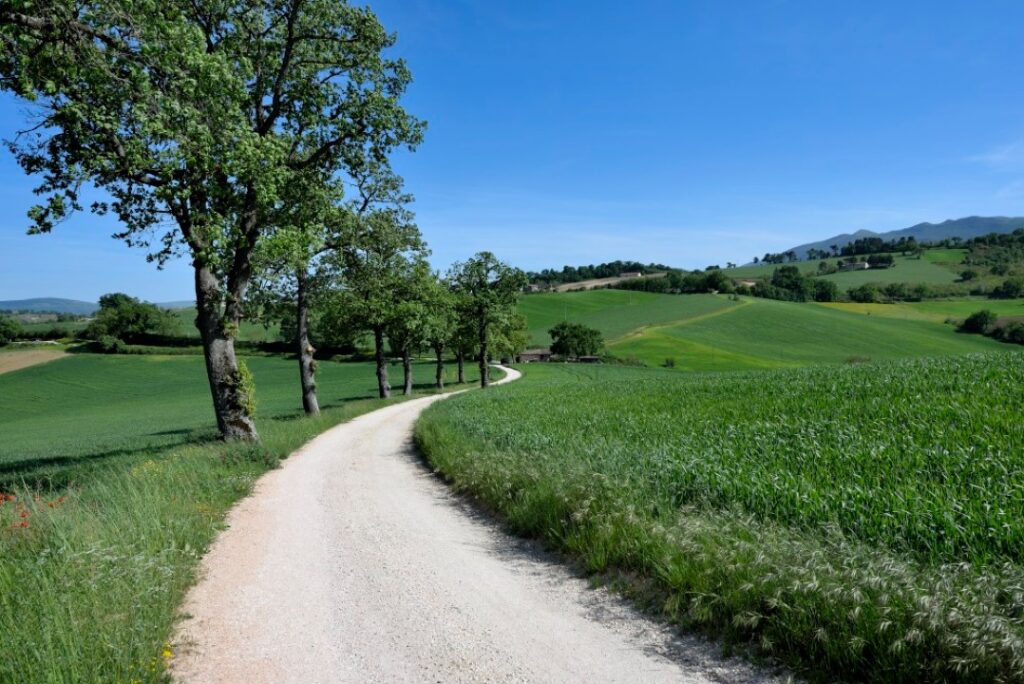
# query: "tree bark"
{"type": "Point", "coordinates": [307, 365]}
{"type": "Point", "coordinates": [229, 396]}
{"type": "Point", "coordinates": [460, 357]}
{"type": "Point", "coordinates": [383, 386]}
{"type": "Point", "coordinates": [439, 374]}
{"type": "Point", "coordinates": [485, 376]}
{"type": "Point", "coordinates": [407, 372]}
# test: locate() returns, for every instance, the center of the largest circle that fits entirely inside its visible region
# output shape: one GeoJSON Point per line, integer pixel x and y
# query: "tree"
{"type": "Point", "coordinates": [9, 330]}
{"type": "Point", "coordinates": [292, 273]}
{"type": "Point", "coordinates": [408, 322]}
{"type": "Point", "coordinates": [865, 294]}
{"type": "Point", "coordinates": [825, 291]}
{"type": "Point", "coordinates": [128, 319]}
{"type": "Point", "coordinates": [195, 117]}
{"type": "Point", "coordinates": [511, 337]}
{"type": "Point", "coordinates": [489, 291]}
{"type": "Point", "coordinates": [575, 340]}
{"type": "Point", "coordinates": [790, 278]}
{"type": "Point", "coordinates": [440, 324]}
{"type": "Point", "coordinates": [384, 243]}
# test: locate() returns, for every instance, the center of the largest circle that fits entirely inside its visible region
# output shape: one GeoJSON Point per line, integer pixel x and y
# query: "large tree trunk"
{"type": "Point", "coordinates": [383, 386]}
{"type": "Point", "coordinates": [307, 365]}
{"type": "Point", "coordinates": [407, 372]}
{"type": "Point", "coordinates": [439, 374]}
{"type": "Point", "coordinates": [485, 376]}
{"type": "Point", "coordinates": [229, 395]}
{"type": "Point", "coordinates": [460, 357]}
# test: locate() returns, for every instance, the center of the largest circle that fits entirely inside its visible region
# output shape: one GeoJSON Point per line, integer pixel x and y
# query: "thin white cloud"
{"type": "Point", "coordinates": [1006, 156]}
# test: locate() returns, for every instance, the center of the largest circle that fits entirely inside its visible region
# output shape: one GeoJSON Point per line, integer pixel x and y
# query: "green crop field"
{"type": "Point", "coordinates": [762, 333]}
{"type": "Point", "coordinates": [935, 310]}
{"type": "Point", "coordinates": [118, 488]}
{"type": "Point", "coordinates": [936, 267]}
{"type": "Point", "coordinates": [247, 331]}
{"type": "Point", "coordinates": [906, 270]}
{"type": "Point", "coordinates": [860, 522]}
{"type": "Point", "coordinates": [614, 312]}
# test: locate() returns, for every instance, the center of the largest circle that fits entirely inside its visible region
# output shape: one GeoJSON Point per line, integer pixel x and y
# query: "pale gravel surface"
{"type": "Point", "coordinates": [353, 563]}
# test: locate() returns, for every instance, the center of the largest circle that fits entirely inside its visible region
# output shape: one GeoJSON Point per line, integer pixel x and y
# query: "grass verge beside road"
{"type": "Point", "coordinates": [114, 487]}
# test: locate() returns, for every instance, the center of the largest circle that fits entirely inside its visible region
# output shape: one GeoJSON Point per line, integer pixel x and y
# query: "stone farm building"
{"type": "Point", "coordinates": [533, 355]}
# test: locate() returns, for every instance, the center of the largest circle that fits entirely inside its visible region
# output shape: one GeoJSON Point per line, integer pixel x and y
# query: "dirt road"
{"type": "Point", "coordinates": [353, 563]}
{"type": "Point", "coordinates": [18, 359]}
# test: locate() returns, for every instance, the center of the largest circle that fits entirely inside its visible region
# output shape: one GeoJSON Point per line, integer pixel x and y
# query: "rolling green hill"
{"type": "Point", "coordinates": [938, 268]}
{"type": "Point", "coordinates": [714, 332]}
{"type": "Point", "coordinates": [614, 312]}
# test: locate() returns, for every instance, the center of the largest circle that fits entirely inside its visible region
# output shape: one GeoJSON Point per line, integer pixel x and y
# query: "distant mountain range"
{"type": "Point", "coordinates": [71, 306]}
{"type": "Point", "coordinates": [965, 228]}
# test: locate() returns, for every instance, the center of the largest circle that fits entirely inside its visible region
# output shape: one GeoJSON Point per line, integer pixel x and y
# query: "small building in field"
{"type": "Point", "coordinates": [855, 266]}
{"type": "Point", "coordinates": [631, 274]}
{"type": "Point", "coordinates": [533, 356]}
{"type": "Point", "coordinates": [746, 283]}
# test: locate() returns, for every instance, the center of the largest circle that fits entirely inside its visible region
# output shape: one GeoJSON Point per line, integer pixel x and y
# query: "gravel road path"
{"type": "Point", "coordinates": [353, 563]}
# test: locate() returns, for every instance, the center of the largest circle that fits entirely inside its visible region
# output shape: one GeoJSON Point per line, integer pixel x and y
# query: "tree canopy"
{"type": "Point", "coordinates": [199, 120]}
{"type": "Point", "coordinates": [575, 339]}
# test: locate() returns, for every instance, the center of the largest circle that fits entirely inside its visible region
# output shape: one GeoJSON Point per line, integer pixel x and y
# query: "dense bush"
{"type": "Point", "coordinates": [1010, 289]}
{"type": "Point", "coordinates": [864, 294]}
{"type": "Point", "coordinates": [9, 330]}
{"type": "Point", "coordinates": [575, 339]}
{"type": "Point", "coordinates": [128, 319]}
{"type": "Point", "coordinates": [1012, 332]}
{"type": "Point", "coordinates": [978, 322]}
{"type": "Point", "coordinates": [108, 344]}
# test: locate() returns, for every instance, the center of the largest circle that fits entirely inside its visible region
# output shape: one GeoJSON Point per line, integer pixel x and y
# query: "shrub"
{"type": "Point", "coordinates": [108, 344]}
{"type": "Point", "coordinates": [1012, 332]}
{"type": "Point", "coordinates": [128, 319]}
{"type": "Point", "coordinates": [1010, 289]}
{"type": "Point", "coordinates": [865, 294]}
{"type": "Point", "coordinates": [978, 322]}
{"type": "Point", "coordinates": [825, 291]}
{"type": "Point", "coordinates": [9, 330]}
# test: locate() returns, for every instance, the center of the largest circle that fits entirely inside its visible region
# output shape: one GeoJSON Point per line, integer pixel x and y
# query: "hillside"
{"type": "Point", "coordinates": [966, 228]}
{"type": "Point", "coordinates": [714, 332]}
{"type": "Point", "coordinates": [50, 304]}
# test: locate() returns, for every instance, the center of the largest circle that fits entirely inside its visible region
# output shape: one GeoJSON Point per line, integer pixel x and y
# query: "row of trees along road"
{"type": "Point", "coordinates": [222, 132]}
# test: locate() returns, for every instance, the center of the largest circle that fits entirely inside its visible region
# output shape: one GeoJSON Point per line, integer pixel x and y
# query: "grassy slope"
{"type": "Point", "coordinates": [811, 511]}
{"type": "Point", "coordinates": [614, 312]}
{"type": "Point", "coordinates": [121, 447]}
{"type": "Point", "coordinates": [247, 331]}
{"type": "Point", "coordinates": [938, 267]}
{"type": "Point", "coordinates": [764, 333]}
{"type": "Point", "coordinates": [935, 310]}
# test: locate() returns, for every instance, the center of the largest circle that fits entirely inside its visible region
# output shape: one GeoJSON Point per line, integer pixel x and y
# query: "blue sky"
{"type": "Point", "coordinates": [687, 133]}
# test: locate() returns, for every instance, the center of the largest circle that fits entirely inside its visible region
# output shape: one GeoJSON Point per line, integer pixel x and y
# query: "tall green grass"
{"type": "Point", "coordinates": [862, 523]}
{"type": "Point", "coordinates": [119, 487]}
